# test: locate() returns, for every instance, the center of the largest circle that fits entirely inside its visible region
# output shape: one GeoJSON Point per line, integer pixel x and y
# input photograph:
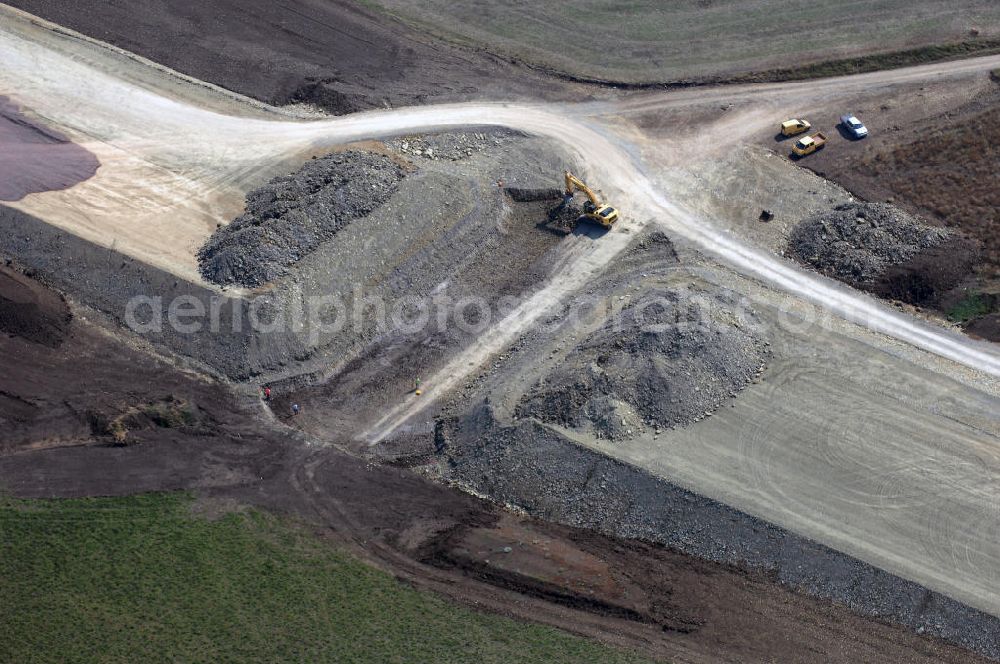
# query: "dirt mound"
{"type": "Point", "coordinates": [35, 158]}
{"type": "Point", "coordinates": [30, 311]}
{"type": "Point", "coordinates": [668, 360]}
{"type": "Point", "coordinates": [291, 215]}
{"type": "Point", "coordinates": [858, 242]}
{"type": "Point", "coordinates": [167, 412]}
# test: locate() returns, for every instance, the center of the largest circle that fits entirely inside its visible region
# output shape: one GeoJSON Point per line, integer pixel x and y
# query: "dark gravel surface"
{"type": "Point", "coordinates": [107, 281]}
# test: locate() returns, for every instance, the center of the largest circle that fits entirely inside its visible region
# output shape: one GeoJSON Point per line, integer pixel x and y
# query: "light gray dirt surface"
{"type": "Point", "coordinates": [640, 486]}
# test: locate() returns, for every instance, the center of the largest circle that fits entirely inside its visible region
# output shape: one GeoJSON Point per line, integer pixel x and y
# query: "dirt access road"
{"type": "Point", "coordinates": [172, 168]}
{"type": "Point", "coordinates": [223, 153]}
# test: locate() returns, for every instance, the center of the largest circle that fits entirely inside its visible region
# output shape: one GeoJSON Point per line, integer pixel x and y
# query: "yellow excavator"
{"type": "Point", "coordinates": [593, 209]}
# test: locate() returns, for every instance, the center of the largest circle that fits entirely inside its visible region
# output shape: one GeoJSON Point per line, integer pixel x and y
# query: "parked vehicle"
{"type": "Point", "coordinates": [853, 126]}
{"type": "Point", "coordinates": [809, 144]}
{"type": "Point", "coordinates": [794, 126]}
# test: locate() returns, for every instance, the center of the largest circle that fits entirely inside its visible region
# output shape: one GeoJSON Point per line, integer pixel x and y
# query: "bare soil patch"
{"type": "Point", "coordinates": [30, 311]}
{"type": "Point", "coordinates": [950, 173]}
{"type": "Point", "coordinates": [336, 55]}
{"type": "Point", "coordinates": [670, 358]}
{"type": "Point", "coordinates": [34, 158]}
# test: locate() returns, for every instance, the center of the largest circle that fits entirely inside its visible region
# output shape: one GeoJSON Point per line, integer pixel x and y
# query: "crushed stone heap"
{"type": "Point", "coordinates": [857, 242]}
{"type": "Point", "coordinates": [291, 215]}
{"type": "Point", "coordinates": [673, 358]}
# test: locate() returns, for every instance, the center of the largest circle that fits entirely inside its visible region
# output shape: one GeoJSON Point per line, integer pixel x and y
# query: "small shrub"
{"type": "Point", "coordinates": [170, 414]}
{"type": "Point", "coordinates": [971, 306]}
{"type": "Point", "coordinates": [102, 425]}
{"type": "Point", "coordinates": [119, 434]}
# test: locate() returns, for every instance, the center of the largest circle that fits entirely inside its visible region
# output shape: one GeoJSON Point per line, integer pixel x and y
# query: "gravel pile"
{"type": "Point", "coordinates": [858, 242]}
{"type": "Point", "coordinates": [452, 146]}
{"type": "Point", "coordinates": [668, 360]}
{"type": "Point", "coordinates": [291, 215]}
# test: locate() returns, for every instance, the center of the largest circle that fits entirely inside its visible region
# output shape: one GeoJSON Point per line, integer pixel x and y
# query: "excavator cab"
{"type": "Point", "coordinates": [593, 208]}
{"type": "Point", "coordinates": [606, 216]}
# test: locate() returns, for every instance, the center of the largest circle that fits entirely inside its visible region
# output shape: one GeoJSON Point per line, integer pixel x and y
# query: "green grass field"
{"type": "Point", "coordinates": [655, 41]}
{"type": "Point", "coordinates": [142, 579]}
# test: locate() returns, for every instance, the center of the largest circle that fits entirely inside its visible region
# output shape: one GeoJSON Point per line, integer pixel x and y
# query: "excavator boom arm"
{"type": "Point", "coordinates": [573, 183]}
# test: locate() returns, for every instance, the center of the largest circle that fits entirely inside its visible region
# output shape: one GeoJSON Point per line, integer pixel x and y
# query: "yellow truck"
{"type": "Point", "coordinates": [809, 144]}
{"type": "Point", "coordinates": [794, 126]}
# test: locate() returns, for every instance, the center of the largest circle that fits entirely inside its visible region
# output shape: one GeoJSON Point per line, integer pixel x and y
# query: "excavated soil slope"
{"type": "Point", "coordinates": [31, 312]}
